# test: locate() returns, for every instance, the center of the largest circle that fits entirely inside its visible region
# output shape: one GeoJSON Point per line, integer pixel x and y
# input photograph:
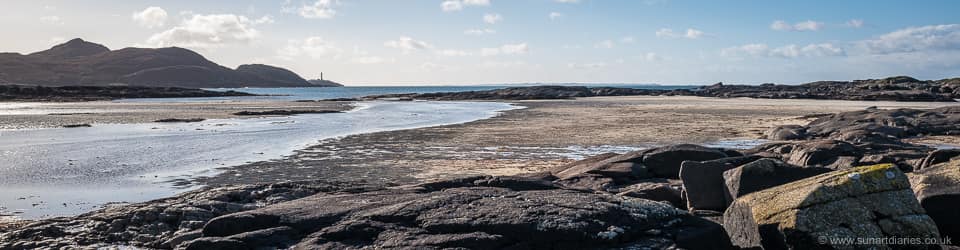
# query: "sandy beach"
{"type": "Point", "coordinates": [543, 135]}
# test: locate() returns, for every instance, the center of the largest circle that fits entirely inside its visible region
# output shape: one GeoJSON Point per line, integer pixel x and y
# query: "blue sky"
{"type": "Point", "coordinates": [416, 42]}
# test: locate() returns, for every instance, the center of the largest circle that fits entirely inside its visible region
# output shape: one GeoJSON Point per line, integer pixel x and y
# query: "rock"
{"type": "Point", "coordinates": [477, 217]}
{"type": "Point", "coordinates": [703, 184]}
{"type": "Point", "coordinates": [180, 120]}
{"type": "Point", "coordinates": [179, 238]}
{"type": "Point", "coordinates": [826, 153]}
{"type": "Point", "coordinates": [655, 191]}
{"type": "Point", "coordinates": [786, 132]}
{"type": "Point", "coordinates": [664, 162]}
{"type": "Point", "coordinates": [621, 168]}
{"type": "Point", "coordinates": [214, 243]}
{"type": "Point", "coordinates": [587, 182]}
{"type": "Point", "coordinates": [95, 93]}
{"type": "Point", "coordinates": [762, 174]}
{"type": "Point", "coordinates": [863, 202]}
{"type": "Point", "coordinates": [284, 112]}
{"type": "Point", "coordinates": [84, 125]}
{"type": "Point", "coordinates": [164, 223]}
{"type": "Point", "coordinates": [938, 190]}
{"type": "Point", "coordinates": [937, 157]}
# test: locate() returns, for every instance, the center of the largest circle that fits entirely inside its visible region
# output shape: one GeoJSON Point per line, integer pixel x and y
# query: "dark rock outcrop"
{"type": "Point", "coordinates": [97, 93]}
{"type": "Point", "coordinates": [703, 184]}
{"type": "Point", "coordinates": [164, 223]}
{"type": "Point", "coordinates": [665, 161]}
{"type": "Point", "coordinates": [938, 190]}
{"type": "Point", "coordinates": [285, 112]}
{"type": "Point", "coordinates": [467, 215]}
{"type": "Point", "coordinates": [813, 213]}
{"type": "Point", "coordinates": [79, 62]}
{"type": "Point", "coordinates": [763, 174]}
{"type": "Point", "coordinates": [898, 88]}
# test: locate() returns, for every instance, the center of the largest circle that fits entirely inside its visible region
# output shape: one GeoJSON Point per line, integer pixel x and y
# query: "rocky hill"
{"type": "Point", "coordinates": [78, 62]}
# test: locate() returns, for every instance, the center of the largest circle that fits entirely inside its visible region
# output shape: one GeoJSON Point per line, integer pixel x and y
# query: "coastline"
{"type": "Point", "coordinates": [33, 115]}
{"type": "Point", "coordinates": [545, 134]}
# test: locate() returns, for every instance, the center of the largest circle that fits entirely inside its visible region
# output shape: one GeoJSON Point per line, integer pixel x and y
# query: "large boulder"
{"type": "Point", "coordinates": [655, 190]}
{"type": "Point", "coordinates": [938, 156]}
{"type": "Point", "coordinates": [470, 215]}
{"type": "Point", "coordinates": [786, 132]}
{"type": "Point", "coordinates": [825, 153]}
{"type": "Point", "coordinates": [938, 190]}
{"type": "Point", "coordinates": [665, 162]}
{"type": "Point", "coordinates": [703, 184]}
{"type": "Point", "coordinates": [817, 212]}
{"type": "Point", "coordinates": [763, 174]}
{"type": "Point", "coordinates": [615, 166]}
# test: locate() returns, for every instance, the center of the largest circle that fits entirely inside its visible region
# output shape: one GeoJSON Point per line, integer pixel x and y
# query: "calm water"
{"type": "Point", "coordinates": [315, 93]}
{"type": "Point", "coordinates": [66, 171]}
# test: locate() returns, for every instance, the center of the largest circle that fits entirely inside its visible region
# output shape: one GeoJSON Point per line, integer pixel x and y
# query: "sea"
{"type": "Point", "coordinates": [313, 93]}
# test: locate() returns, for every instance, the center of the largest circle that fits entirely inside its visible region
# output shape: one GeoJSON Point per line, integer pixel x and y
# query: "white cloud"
{"type": "Point", "coordinates": [56, 40]}
{"type": "Point", "coordinates": [407, 44]}
{"type": "Point", "coordinates": [754, 49]}
{"type": "Point", "coordinates": [506, 49]}
{"type": "Point", "coordinates": [605, 44]}
{"type": "Point", "coordinates": [321, 9]}
{"type": "Point", "coordinates": [689, 34]}
{"type": "Point", "coordinates": [591, 65]}
{"type": "Point", "coordinates": [451, 5]}
{"type": "Point", "coordinates": [371, 60]}
{"type": "Point", "coordinates": [264, 20]}
{"type": "Point", "coordinates": [693, 34]}
{"type": "Point", "coordinates": [944, 37]}
{"type": "Point", "coordinates": [823, 49]}
{"type": "Point", "coordinates": [453, 52]}
{"type": "Point", "coordinates": [808, 25]}
{"type": "Point", "coordinates": [510, 49]}
{"type": "Point", "coordinates": [567, 1]}
{"type": "Point", "coordinates": [55, 20]}
{"type": "Point", "coordinates": [505, 64]}
{"type": "Point", "coordinates": [207, 31]}
{"type": "Point", "coordinates": [479, 32]}
{"type": "Point", "coordinates": [316, 47]}
{"type": "Point", "coordinates": [151, 17]}
{"type": "Point", "coordinates": [555, 15]}
{"type": "Point", "coordinates": [787, 51]}
{"type": "Point", "coordinates": [855, 23]}
{"type": "Point", "coordinates": [650, 56]}
{"type": "Point", "coordinates": [429, 66]}
{"type": "Point", "coordinates": [458, 5]}
{"type": "Point", "coordinates": [492, 18]}
{"type": "Point", "coordinates": [628, 39]}
{"type": "Point", "coordinates": [477, 2]}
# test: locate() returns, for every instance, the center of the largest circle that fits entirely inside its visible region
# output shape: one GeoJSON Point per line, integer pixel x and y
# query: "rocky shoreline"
{"type": "Point", "coordinates": [899, 88]}
{"type": "Point", "coordinates": [34, 93]}
{"type": "Point", "coordinates": [844, 175]}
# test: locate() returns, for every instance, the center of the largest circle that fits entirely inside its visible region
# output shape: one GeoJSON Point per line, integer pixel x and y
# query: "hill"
{"type": "Point", "coordinates": [78, 62]}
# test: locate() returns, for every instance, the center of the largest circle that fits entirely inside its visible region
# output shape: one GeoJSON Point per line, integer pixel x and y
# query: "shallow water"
{"type": "Point", "coordinates": [56, 172]}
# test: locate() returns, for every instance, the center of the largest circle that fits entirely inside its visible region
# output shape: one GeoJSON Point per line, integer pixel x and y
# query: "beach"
{"type": "Point", "coordinates": [543, 135]}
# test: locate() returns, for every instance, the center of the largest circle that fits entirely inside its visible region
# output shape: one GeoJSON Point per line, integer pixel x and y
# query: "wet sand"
{"type": "Point", "coordinates": [25, 115]}
{"type": "Point", "coordinates": [544, 135]}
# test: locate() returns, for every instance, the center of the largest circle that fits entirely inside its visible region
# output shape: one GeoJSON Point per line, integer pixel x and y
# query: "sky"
{"type": "Point", "coordinates": [455, 42]}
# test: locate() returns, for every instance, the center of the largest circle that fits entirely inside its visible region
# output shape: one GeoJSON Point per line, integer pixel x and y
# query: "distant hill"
{"type": "Point", "coordinates": [324, 83]}
{"type": "Point", "coordinates": [78, 62]}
